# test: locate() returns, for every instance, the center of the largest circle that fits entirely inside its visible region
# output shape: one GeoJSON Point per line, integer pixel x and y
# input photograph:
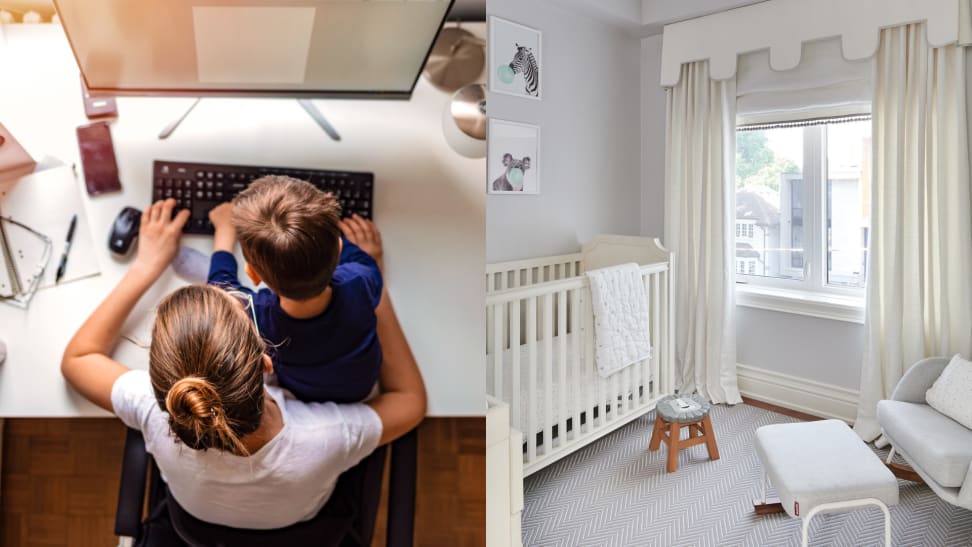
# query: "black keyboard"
{"type": "Point", "coordinates": [201, 186]}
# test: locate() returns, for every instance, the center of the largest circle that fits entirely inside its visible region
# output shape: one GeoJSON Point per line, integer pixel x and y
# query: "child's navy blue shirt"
{"type": "Point", "coordinates": [334, 356]}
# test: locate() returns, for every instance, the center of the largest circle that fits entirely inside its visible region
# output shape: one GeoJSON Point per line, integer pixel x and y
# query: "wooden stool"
{"type": "Point", "coordinates": [669, 421]}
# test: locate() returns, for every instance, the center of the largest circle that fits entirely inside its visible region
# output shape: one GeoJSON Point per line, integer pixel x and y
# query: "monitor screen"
{"type": "Point", "coordinates": [293, 48]}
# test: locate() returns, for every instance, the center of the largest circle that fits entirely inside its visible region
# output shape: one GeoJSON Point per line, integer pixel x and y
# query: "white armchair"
{"type": "Point", "coordinates": [938, 448]}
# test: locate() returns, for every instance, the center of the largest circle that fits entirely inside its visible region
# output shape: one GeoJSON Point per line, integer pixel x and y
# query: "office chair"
{"type": "Point", "coordinates": [346, 520]}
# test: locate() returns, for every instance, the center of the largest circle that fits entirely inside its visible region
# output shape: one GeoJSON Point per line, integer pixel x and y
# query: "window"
{"type": "Point", "coordinates": [803, 204]}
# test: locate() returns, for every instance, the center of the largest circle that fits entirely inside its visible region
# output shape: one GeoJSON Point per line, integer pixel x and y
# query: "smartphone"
{"type": "Point", "coordinates": [98, 159]}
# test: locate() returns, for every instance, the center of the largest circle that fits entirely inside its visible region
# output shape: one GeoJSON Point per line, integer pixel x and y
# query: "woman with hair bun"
{"type": "Point", "coordinates": [232, 450]}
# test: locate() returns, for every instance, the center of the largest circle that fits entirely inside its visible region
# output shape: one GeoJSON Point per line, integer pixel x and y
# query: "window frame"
{"type": "Point", "coordinates": [813, 286]}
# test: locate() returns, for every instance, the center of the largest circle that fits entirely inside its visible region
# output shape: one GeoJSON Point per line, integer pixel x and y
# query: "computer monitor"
{"type": "Point", "coordinates": [299, 48]}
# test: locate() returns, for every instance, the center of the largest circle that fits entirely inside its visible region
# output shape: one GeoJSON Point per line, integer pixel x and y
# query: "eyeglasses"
{"type": "Point", "coordinates": [246, 300]}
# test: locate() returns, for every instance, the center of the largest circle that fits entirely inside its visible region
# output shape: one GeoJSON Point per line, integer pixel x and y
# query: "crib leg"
{"type": "Point", "coordinates": [656, 434]}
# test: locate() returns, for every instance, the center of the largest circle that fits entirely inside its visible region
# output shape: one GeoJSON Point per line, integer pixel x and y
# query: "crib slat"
{"type": "Point", "coordinates": [498, 332]}
{"type": "Point", "coordinates": [669, 331]}
{"type": "Point", "coordinates": [651, 383]}
{"type": "Point", "coordinates": [531, 409]}
{"type": "Point", "coordinates": [575, 356]}
{"type": "Point", "coordinates": [589, 369]}
{"type": "Point", "coordinates": [548, 385]}
{"type": "Point", "coordinates": [614, 397]}
{"type": "Point", "coordinates": [627, 392]}
{"type": "Point", "coordinates": [515, 394]}
{"type": "Point", "coordinates": [563, 413]}
{"type": "Point", "coordinates": [489, 327]}
{"type": "Point", "coordinates": [655, 339]}
{"type": "Point", "coordinates": [645, 365]}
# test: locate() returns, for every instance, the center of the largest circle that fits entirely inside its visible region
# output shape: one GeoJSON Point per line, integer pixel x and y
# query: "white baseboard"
{"type": "Point", "coordinates": [800, 394]}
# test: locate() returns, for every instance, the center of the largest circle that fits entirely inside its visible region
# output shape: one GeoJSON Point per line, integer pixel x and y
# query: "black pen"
{"type": "Point", "coordinates": [67, 247]}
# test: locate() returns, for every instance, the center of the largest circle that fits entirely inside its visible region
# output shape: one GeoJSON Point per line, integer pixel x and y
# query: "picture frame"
{"type": "Point", "coordinates": [515, 59]}
{"type": "Point", "coordinates": [513, 158]}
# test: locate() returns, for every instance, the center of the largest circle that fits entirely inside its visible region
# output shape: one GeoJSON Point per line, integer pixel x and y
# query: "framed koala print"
{"type": "Point", "coordinates": [514, 158]}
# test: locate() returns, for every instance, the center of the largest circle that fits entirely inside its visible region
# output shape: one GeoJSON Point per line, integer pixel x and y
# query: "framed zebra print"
{"type": "Point", "coordinates": [515, 62]}
{"type": "Point", "coordinates": [513, 160]}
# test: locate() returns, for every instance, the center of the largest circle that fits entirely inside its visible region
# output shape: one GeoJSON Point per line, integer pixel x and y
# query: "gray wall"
{"type": "Point", "coordinates": [817, 349]}
{"type": "Point", "coordinates": [590, 136]}
{"type": "Point", "coordinates": [652, 139]}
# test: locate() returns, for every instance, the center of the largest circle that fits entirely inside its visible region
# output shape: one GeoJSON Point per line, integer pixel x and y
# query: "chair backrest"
{"type": "Point", "coordinates": [347, 519]}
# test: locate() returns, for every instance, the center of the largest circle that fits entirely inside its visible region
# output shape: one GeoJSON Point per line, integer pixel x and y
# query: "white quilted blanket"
{"type": "Point", "coordinates": [620, 304]}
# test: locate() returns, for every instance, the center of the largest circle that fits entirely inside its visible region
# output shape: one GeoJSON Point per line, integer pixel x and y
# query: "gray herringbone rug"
{"type": "Point", "coordinates": [615, 492]}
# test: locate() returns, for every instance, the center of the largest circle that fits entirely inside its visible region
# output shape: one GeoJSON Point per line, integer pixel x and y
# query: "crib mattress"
{"type": "Point", "coordinates": [533, 405]}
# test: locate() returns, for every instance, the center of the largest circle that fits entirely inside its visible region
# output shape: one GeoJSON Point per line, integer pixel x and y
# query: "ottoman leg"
{"type": "Point", "coordinates": [844, 505]}
{"type": "Point", "coordinates": [806, 528]}
{"type": "Point", "coordinates": [674, 435]}
{"type": "Point", "coordinates": [710, 441]}
{"type": "Point", "coordinates": [656, 434]}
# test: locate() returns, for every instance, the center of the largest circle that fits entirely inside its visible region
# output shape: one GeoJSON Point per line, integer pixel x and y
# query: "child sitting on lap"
{"type": "Point", "coordinates": [319, 310]}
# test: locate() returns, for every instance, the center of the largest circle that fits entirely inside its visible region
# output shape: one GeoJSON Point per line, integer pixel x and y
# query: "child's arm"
{"type": "Point", "coordinates": [364, 248]}
{"type": "Point", "coordinates": [365, 235]}
{"type": "Point", "coordinates": [222, 265]}
{"type": "Point", "coordinates": [225, 237]}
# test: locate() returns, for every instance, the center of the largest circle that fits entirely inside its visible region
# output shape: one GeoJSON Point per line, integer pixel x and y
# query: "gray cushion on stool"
{"type": "Point", "coordinates": [669, 411]}
{"type": "Point", "coordinates": [812, 463]}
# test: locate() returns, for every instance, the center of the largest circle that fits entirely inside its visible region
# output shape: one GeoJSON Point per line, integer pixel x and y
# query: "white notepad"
{"type": "Point", "coordinates": [45, 201]}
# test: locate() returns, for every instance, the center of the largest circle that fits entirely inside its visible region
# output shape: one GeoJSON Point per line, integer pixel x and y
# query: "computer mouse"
{"type": "Point", "coordinates": [124, 230]}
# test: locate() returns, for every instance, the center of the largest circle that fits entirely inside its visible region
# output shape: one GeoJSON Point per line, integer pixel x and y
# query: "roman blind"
{"type": "Point", "coordinates": [823, 85]}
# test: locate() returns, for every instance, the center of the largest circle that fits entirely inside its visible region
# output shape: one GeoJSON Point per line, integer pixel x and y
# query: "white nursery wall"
{"type": "Point", "coordinates": [590, 128]}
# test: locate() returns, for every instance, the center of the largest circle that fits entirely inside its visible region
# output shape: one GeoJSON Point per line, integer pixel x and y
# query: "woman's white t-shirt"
{"type": "Point", "coordinates": [286, 481]}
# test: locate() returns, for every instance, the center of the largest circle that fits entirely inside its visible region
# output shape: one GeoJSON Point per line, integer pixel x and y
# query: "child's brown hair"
{"type": "Point", "coordinates": [290, 235]}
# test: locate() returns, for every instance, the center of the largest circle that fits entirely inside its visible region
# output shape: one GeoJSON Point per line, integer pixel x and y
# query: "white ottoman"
{"type": "Point", "coordinates": [823, 466]}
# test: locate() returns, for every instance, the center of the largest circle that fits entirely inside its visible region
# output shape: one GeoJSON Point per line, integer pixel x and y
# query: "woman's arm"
{"type": "Point", "coordinates": [86, 364]}
{"type": "Point", "coordinates": [401, 405]}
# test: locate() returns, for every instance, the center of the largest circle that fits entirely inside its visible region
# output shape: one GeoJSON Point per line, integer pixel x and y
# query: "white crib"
{"type": "Point", "coordinates": [540, 347]}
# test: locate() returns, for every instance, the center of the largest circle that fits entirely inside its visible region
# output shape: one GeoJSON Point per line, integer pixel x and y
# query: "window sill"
{"type": "Point", "coordinates": [824, 306]}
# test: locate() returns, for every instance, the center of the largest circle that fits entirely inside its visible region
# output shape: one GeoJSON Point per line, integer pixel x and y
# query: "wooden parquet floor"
{"type": "Point", "coordinates": [60, 481]}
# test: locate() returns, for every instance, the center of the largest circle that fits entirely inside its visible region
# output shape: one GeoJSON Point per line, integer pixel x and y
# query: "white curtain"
{"type": "Point", "coordinates": [700, 211]}
{"type": "Point", "coordinates": [919, 271]}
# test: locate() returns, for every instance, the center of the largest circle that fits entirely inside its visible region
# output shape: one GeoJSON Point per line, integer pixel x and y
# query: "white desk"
{"type": "Point", "coordinates": [429, 204]}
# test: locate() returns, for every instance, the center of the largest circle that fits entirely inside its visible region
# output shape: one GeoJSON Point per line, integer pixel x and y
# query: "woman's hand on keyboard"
{"type": "Point", "coordinates": [158, 238]}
